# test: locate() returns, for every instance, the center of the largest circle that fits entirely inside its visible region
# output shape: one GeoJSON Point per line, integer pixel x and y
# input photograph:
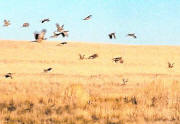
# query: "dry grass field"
{"type": "Point", "coordinates": [89, 91]}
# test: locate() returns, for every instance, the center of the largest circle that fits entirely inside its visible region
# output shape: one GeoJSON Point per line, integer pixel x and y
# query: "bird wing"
{"type": "Point", "coordinates": [44, 31]}
{"type": "Point", "coordinates": [42, 21]}
{"type": "Point", "coordinates": [57, 34]}
{"type": "Point", "coordinates": [57, 25]}
{"type": "Point", "coordinates": [110, 36]}
{"type": "Point", "coordinates": [62, 34]}
{"type": "Point", "coordinates": [66, 33]}
{"type": "Point", "coordinates": [89, 16]}
{"type": "Point", "coordinates": [114, 36]}
{"type": "Point", "coordinates": [36, 35]}
{"type": "Point", "coordinates": [41, 35]}
{"type": "Point", "coordinates": [63, 43]}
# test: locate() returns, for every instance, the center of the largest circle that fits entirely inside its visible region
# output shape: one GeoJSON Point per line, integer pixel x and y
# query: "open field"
{"type": "Point", "coordinates": [91, 90]}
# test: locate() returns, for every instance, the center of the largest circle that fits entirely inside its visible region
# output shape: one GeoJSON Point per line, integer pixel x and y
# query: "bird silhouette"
{"type": "Point", "coordinates": [117, 59]}
{"type": "Point", "coordinates": [47, 70]}
{"type": "Point", "coordinates": [81, 57]}
{"type": "Point", "coordinates": [40, 36]}
{"type": "Point", "coordinates": [93, 56]}
{"type": "Point", "coordinates": [45, 20]}
{"type": "Point", "coordinates": [9, 75]}
{"type": "Point", "coordinates": [62, 43]}
{"type": "Point", "coordinates": [170, 65]}
{"type": "Point", "coordinates": [6, 23]}
{"type": "Point", "coordinates": [132, 35]}
{"type": "Point", "coordinates": [25, 25]}
{"type": "Point", "coordinates": [124, 81]}
{"type": "Point", "coordinates": [88, 17]}
{"type": "Point", "coordinates": [112, 35]}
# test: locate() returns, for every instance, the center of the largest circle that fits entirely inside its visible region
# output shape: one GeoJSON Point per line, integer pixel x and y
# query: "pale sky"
{"type": "Point", "coordinates": [153, 21]}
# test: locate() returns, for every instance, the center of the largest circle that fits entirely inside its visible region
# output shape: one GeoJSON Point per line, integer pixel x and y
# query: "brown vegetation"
{"type": "Point", "coordinates": [88, 92]}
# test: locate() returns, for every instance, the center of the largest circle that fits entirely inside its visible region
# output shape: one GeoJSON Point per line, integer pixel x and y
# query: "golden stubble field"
{"type": "Point", "coordinates": [89, 91]}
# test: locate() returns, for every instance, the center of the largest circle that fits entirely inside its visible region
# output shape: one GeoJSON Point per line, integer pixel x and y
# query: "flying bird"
{"type": "Point", "coordinates": [124, 81]}
{"type": "Point", "coordinates": [81, 57]}
{"type": "Point", "coordinates": [88, 17]}
{"type": "Point", "coordinates": [117, 59]}
{"type": "Point", "coordinates": [93, 56]}
{"type": "Point", "coordinates": [170, 65]}
{"type": "Point", "coordinates": [45, 20]}
{"type": "Point", "coordinates": [6, 23]}
{"type": "Point", "coordinates": [47, 70]}
{"type": "Point", "coordinates": [132, 35]}
{"type": "Point", "coordinates": [40, 36]}
{"type": "Point", "coordinates": [25, 25]}
{"type": "Point", "coordinates": [8, 75]}
{"type": "Point", "coordinates": [62, 43]}
{"type": "Point", "coordinates": [112, 35]}
{"type": "Point", "coordinates": [59, 28]}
